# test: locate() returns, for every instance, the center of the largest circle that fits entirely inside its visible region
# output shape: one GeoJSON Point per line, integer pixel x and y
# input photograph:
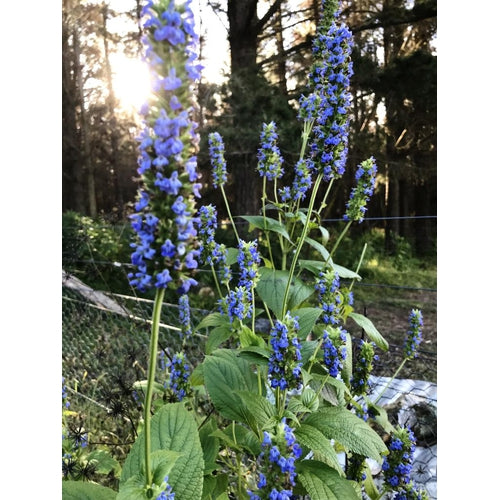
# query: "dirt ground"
{"type": "Point", "coordinates": [389, 310]}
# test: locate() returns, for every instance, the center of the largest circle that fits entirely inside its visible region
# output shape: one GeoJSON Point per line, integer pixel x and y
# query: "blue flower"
{"type": "Point", "coordinates": [167, 494]}
{"type": "Point", "coordinates": [276, 463]}
{"type": "Point", "coordinates": [248, 262]}
{"type": "Point", "coordinates": [185, 315]}
{"type": "Point", "coordinates": [360, 194]}
{"type": "Point", "coordinates": [269, 156]}
{"type": "Point", "coordinates": [284, 363]}
{"type": "Point", "coordinates": [364, 365]}
{"type": "Point", "coordinates": [397, 465]}
{"type": "Point", "coordinates": [216, 152]}
{"type": "Point", "coordinates": [330, 98]}
{"type": "Point", "coordinates": [164, 251]}
{"type": "Point", "coordinates": [414, 334]}
{"type": "Point", "coordinates": [178, 380]}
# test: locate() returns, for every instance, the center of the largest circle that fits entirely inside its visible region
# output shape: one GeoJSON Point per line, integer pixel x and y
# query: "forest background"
{"type": "Point", "coordinates": [468, 180]}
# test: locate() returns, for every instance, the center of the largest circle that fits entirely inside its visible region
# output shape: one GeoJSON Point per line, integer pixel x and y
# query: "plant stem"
{"type": "Point", "coordinates": [264, 185]}
{"type": "Point", "coordinates": [359, 265]}
{"type": "Point", "coordinates": [229, 213]}
{"type": "Point", "coordinates": [300, 243]}
{"type": "Point", "coordinates": [339, 239]}
{"type": "Point", "coordinates": [214, 274]}
{"type": "Point", "coordinates": [390, 381]}
{"type": "Point", "coordinates": [153, 352]}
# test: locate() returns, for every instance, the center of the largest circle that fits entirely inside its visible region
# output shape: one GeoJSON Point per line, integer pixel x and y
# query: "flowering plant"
{"type": "Point", "coordinates": [282, 390]}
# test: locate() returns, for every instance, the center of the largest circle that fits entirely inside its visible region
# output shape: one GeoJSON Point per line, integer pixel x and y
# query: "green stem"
{"type": "Point", "coordinates": [214, 274]}
{"type": "Point", "coordinates": [313, 357]}
{"type": "Point", "coordinates": [390, 381]}
{"type": "Point", "coordinates": [359, 264]}
{"type": "Point", "coordinates": [264, 187]}
{"type": "Point", "coordinates": [337, 243]}
{"type": "Point", "coordinates": [229, 213]}
{"type": "Point", "coordinates": [300, 243]}
{"type": "Point", "coordinates": [327, 192]}
{"type": "Point", "coordinates": [153, 352]}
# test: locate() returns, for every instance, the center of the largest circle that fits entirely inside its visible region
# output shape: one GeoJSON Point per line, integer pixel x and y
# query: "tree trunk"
{"type": "Point", "coordinates": [72, 168]}
{"type": "Point", "coordinates": [393, 39]}
{"type": "Point", "coordinates": [242, 15]}
{"type": "Point", "coordinates": [115, 156]}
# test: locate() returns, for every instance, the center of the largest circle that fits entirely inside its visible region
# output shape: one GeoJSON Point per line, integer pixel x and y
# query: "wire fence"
{"type": "Point", "coordinates": [105, 334]}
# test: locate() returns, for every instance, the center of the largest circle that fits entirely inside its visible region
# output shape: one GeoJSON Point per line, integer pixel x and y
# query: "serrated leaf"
{"type": "Point", "coordinates": [307, 319]}
{"type": "Point", "coordinates": [244, 438]}
{"type": "Point", "coordinates": [135, 487]}
{"type": "Point", "coordinates": [255, 354]}
{"type": "Point", "coordinates": [315, 266]}
{"type": "Point", "coordinates": [209, 444]}
{"type": "Point", "coordinates": [263, 410]}
{"type": "Point", "coordinates": [197, 378]}
{"type": "Point", "coordinates": [78, 490]}
{"type": "Point", "coordinates": [267, 224]}
{"type": "Point", "coordinates": [172, 428]}
{"type": "Point", "coordinates": [213, 319]}
{"type": "Point", "coordinates": [296, 406]}
{"type": "Point", "coordinates": [309, 398]}
{"type": "Point", "coordinates": [349, 430]}
{"type": "Point", "coordinates": [217, 336]}
{"type": "Point", "coordinates": [370, 330]}
{"type": "Point", "coordinates": [271, 289]}
{"type": "Point", "coordinates": [103, 461]}
{"type": "Point", "coordinates": [248, 338]}
{"type": "Point", "coordinates": [225, 374]}
{"type": "Point", "coordinates": [323, 482]}
{"type": "Point", "coordinates": [318, 443]}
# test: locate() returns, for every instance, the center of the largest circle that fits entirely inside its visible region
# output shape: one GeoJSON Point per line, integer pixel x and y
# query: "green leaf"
{"type": "Point", "coordinates": [244, 438]}
{"type": "Point", "coordinates": [370, 488]}
{"type": "Point", "coordinates": [217, 336]}
{"type": "Point", "coordinates": [323, 482]}
{"type": "Point", "coordinates": [320, 249]}
{"type": "Point", "coordinates": [103, 461]}
{"type": "Point", "coordinates": [78, 490]}
{"type": "Point", "coordinates": [232, 256]}
{"type": "Point", "coordinates": [248, 338]}
{"type": "Point", "coordinates": [197, 377]}
{"type": "Point", "coordinates": [349, 430]}
{"type": "Point", "coordinates": [315, 266]}
{"type": "Point", "coordinates": [257, 355]}
{"type": "Point", "coordinates": [307, 319]}
{"type": "Point", "coordinates": [209, 444]}
{"type": "Point", "coordinates": [318, 443]}
{"type": "Point", "coordinates": [213, 319]}
{"type": "Point", "coordinates": [271, 289]}
{"type": "Point", "coordinates": [267, 224]}
{"type": "Point", "coordinates": [263, 410]}
{"type": "Point", "coordinates": [325, 235]}
{"type": "Point", "coordinates": [346, 373]}
{"type": "Point", "coordinates": [295, 405]}
{"type": "Point", "coordinates": [370, 330]}
{"type": "Point", "coordinates": [136, 487]}
{"type": "Point", "coordinates": [142, 385]}
{"type": "Point", "coordinates": [172, 428]}
{"type": "Point", "coordinates": [332, 391]}
{"type": "Point", "coordinates": [225, 374]}
{"type": "Point", "coordinates": [309, 398]}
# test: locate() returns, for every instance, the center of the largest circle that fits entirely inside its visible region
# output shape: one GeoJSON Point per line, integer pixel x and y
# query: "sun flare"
{"type": "Point", "coordinates": [131, 81]}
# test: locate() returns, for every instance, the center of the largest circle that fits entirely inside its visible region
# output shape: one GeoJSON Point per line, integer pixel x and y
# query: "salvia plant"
{"type": "Point", "coordinates": [279, 407]}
